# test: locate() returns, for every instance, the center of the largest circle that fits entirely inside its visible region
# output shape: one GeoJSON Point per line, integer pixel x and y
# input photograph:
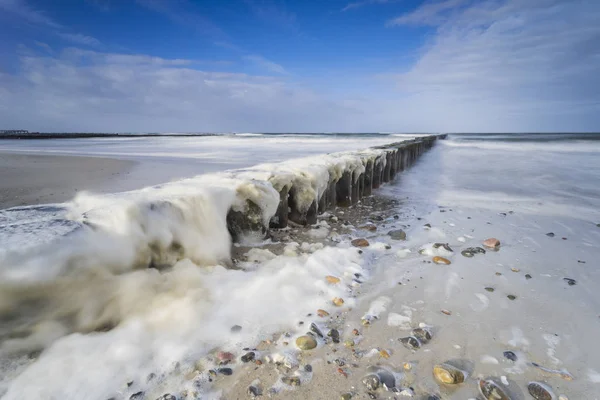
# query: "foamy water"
{"type": "Point", "coordinates": [168, 319]}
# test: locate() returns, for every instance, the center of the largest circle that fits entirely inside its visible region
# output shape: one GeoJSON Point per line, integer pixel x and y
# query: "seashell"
{"type": "Point", "coordinates": [449, 374]}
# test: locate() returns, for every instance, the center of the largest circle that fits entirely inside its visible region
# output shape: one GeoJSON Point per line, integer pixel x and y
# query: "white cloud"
{"type": "Point", "coordinates": [358, 4]}
{"type": "Point", "coordinates": [78, 38]}
{"type": "Point", "coordinates": [266, 64]}
{"type": "Point", "coordinates": [21, 9]}
{"type": "Point", "coordinates": [430, 13]}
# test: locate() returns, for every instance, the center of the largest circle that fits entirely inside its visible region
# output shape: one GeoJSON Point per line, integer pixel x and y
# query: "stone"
{"type": "Point", "coordinates": [360, 242]}
{"type": "Point", "coordinates": [308, 368]}
{"type": "Point", "coordinates": [424, 335]}
{"type": "Point", "coordinates": [332, 279]}
{"type": "Point", "coordinates": [322, 313]}
{"type": "Point", "coordinates": [371, 382]}
{"type": "Point", "coordinates": [315, 329]}
{"type": "Point", "coordinates": [225, 371]}
{"type": "Point", "coordinates": [441, 260]}
{"type": "Point", "coordinates": [384, 353]}
{"type": "Point", "coordinates": [236, 328]}
{"type": "Point", "coordinates": [225, 357]}
{"type": "Point", "coordinates": [410, 342]}
{"type": "Point", "coordinates": [397, 234]}
{"type": "Point", "coordinates": [571, 282]}
{"type": "Point", "coordinates": [291, 380]}
{"type": "Point", "coordinates": [540, 391]}
{"type": "Point", "coordinates": [449, 374]}
{"type": "Point", "coordinates": [447, 312]}
{"type": "Point", "coordinates": [338, 301]}
{"type": "Point", "coordinates": [492, 243]}
{"type": "Point", "coordinates": [346, 396]}
{"type": "Point", "coordinates": [167, 396]}
{"type": "Point", "coordinates": [527, 276]}
{"type": "Point", "coordinates": [513, 269]}
{"type": "Point", "coordinates": [306, 342]}
{"type": "Point", "coordinates": [427, 225]}
{"type": "Point", "coordinates": [512, 297]}
{"type": "Point", "coordinates": [431, 397]}
{"type": "Point", "coordinates": [334, 334]}
{"type": "Point", "coordinates": [137, 396]}
{"type": "Point", "coordinates": [254, 391]}
{"type": "Point", "coordinates": [550, 234]}
{"type": "Point", "coordinates": [250, 356]}
{"type": "Point", "coordinates": [467, 253]}
{"type": "Point", "coordinates": [490, 390]}
{"type": "Point", "coordinates": [510, 355]}
{"type": "Point", "coordinates": [490, 289]}
{"type": "Point", "coordinates": [445, 246]}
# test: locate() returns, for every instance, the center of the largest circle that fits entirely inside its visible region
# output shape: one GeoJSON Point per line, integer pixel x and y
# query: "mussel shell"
{"type": "Point", "coordinates": [410, 342]}
{"type": "Point", "coordinates": [540, 391]}
{"type": "Point", "coordinates": [492, 391]}
{"type": "Point", "coordinates": [424, 335]}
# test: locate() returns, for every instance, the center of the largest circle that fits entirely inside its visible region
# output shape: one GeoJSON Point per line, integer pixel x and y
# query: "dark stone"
{"type": "Point", "coordinates": [308, 368]}
{"type": "Point", "coordinates": [424, 335]}
{"type": "Point", "coordinates": [340, 362]}
{"type": "Point", "coordinates": [253, 391]}
{"type": "Point", "coordinates": [291, 381]}
{"type": "Point", "coordinates": [571, 282]}
{"type": "Point", "coordinates": [431, 397]}
{"type": "Point", "coordinates": [510, 355]}
{"type": "Point", "coordinates": [151, 376]}
{"type": "Point", "coordinates": [236, 328]}
{"type": "Point", "coordinates": [248, 357]}
{"type": "Point", "coordinates": [225, 371]}
{"type": "Point", "coordinates": [444, 245]}
{"type": "Point", "coordinates": [512, 297]}
{"type": "Point", "coordinates": [334, 334]}
{"type": "Point", "coordinates": [427, 225]}
{"type": "Point", "coordinates": [371, 382]}
{"type": "Point", "coordinates": [527, 276]}
{"type": "Point", "coordinates": [314, 328]}
{"type": "Point", "coordinates": [167, 396]}
{"type": "Point", "coordinates": [137, 396]}
{"type": "Point", "coordinates": [550, 234]}
{"type": "Point", "coordinates": [398, 234]}
{"type": "Point", "coordinates": [410, 342]}
{"type": "Point", "coordinates": [489, 289]}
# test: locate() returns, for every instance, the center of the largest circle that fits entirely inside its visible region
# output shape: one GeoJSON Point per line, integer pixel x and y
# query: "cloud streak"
{"type": "Point", "coordinates": [266, 64]}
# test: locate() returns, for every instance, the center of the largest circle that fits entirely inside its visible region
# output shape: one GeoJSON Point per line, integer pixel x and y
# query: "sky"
{"type": "Point", "coordinates": [300, 66]}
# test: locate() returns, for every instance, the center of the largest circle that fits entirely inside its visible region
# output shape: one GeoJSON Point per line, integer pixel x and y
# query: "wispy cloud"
{"type": "Point", "coordinates": [80, 39]}
{"type": "Point", "coordinates": [358, 4]}
{"type": "Point", "coordinates": [266, 64]}
{"type": "Point", "coordinates": [44, 46]}
{"type": "Point", "coordinates": [273, 12]}
{"type": "Point", "coordinates": [22, 10]}
{"type": "Point", "coordinates": [430, 13]}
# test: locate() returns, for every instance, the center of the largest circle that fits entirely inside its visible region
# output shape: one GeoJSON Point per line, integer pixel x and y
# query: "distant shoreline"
{"type": "Point", "coordinates": [38, 135]}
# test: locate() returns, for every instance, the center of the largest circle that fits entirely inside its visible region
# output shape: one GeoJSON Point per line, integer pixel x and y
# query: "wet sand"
{"type": "Point", "coordinates": [39, 179]}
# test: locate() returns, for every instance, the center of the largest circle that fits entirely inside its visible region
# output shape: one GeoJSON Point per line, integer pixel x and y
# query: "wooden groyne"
{"type": "Point", "coordinates": [344, 188]}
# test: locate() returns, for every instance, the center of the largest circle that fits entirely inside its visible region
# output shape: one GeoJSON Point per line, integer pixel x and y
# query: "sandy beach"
{"type": "Point", "coordinates": [28, 179]}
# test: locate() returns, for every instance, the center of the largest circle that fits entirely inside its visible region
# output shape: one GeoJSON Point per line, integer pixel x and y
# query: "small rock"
{"type": "Point", "coordinates": [492, 391]}
{"type": "Point", "coordinates": [248, 357]}
{"type": "Point", "coordinates": [427, 225]}
{"type": "Point", "coordinates": [339, 362]}
{"type": "Point", "coordinates": [384, 353]}
{"type": "Point", "coordinates": [510, 355]}
{"type": "Point", "coordinates": [489, 289]}
{"type": "Point", "coordinates": [513, 269]}
{"type": "Point", "coordinates": [332, 279]}
{"type": "Point", "coordinates": [137, 396]}
{"type": "Point", "coordinates": [360, 242]}
{"type": "Point", "coordinates": [334, 334]}
{"type": "Point", "coordinates": [445, 246]}
{"type": "Point", "coordinates": [498, 274]}
{"type": "Point", "coordinates": [291, 380]}
{"type": "Point", "coordinates": [236, 328]}
{"type": "Point", "coordinates": [167, 396]}
{"type": "Point", "coordinates": [540, 391]}
{"type": "Point", "coordinates": [492, 243]}
{"type": "Point", "coordinates": [448, 374]}
{"type": "Point", "coordinates": [254, 391]}
{"type": "Point", "coordinates": [424, 335]}
{"type": "Point", "coordinates": [550, 234]}
{"type": "Point", "coordinates": [308, 368]}
{"type": "Point", "coordinates": [225, 357]}
{"type": "Point", "coordinates": [306, 342]}
{"type": "Point", "coordinates": [346, 396]}
{"type": "Point", "coordinates": [512, 297]}
{"type": "Point", "coordinates": [447, 312]}
{"type": "Point", "coordinates": [225, 371]}
{"type": "Point", "coordinates": [431, 397]}
{"type": "Point", "coordinates": [342, 372]}
{"type": "Point", "coordinates": [467, 253]}
{"type": "Point", "coordinates": [371, 381]}
{"type": "Point", "coordinates": [397, 234]}
{"type": "Point", "coordinates": [570, 281]}
{"type": "Point", "coordinates": [349, 343]}
{"type": "Point", "coordinates": [322, 313]}
{"type": "Point", "coordinates": [315, 329]}
{"type": "Point", "coordinates": [338, 301]}
{"type": "Point", "coordinates": [527, 276]}
{"type": "Point", "coordinates": [410, 342]}
{"type": "Point", "coordinates": [441, 260]}
{"type": "Point", "coordinates": [355, 332]}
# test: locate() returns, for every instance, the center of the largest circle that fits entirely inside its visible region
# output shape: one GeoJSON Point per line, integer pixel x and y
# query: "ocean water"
{"type": "Point", "coordinates": [516, 188]}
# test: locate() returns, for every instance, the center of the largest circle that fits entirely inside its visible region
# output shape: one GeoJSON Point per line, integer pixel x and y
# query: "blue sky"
{"type": "Point", "coordinates": [311, 66]}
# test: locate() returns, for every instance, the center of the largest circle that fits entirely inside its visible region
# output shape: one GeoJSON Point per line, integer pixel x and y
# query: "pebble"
{"type": "Point", "coordinates": [424, 335]}
{"type": "Point", "coordinates": [315, 329]}
{"type": "Point", "coordinates": [167, 396]}
{"type": "Point", "coordinates": [384, 353]}
{"type": "Point", "coordinates": [570, 281]}
{"type": "Point", "coordinates": [432, 397]}
{"type": "Point", "coordinates": [512, 297]}
{"type": "Point", "coordinates": [448, 374]}
{"type": "Point", "coordinates": [397, 234]}
{"type": "Point", "coordinates": [332, 279]}
{"type": "Point", "coordinates": [360, 242]}
{"type": "Point", "coordinates": [407, 366]}
{"type": "Point", "coordinates": [441, 260]}
{"type": "Point", "coordinates": [346, 396]}
{"type": "Point", "coordinates": [225, 371]}
{"type": "Point", "coordinates": [137, 396]}
{"type": "Point", "coordinates": [410, 342]}
{"type": "Point", "coordinates": [342, 372]}
{"type": "Point", "coordinates": [489, 289]}
{"type": "Point", "coordinates": [427, 225]}
{"type": "Point", "coordinates": [338, 301]}
{"type": "Point", "coordinates": [527, 276]}
{"type": "Point", "coordinates": [510, 355]}
{"type": "Point", "coordinates": [291, 381]}
{"type": "Point", "coordinates": [253, 391]}
{"type": "Point", "coordinates": [446, 312]}
{"type": "Point", "coordinates": [248, 357]}
{"type": "Point", "coordinates": [371, 382]}
{"type": "Point", "coordinates": [446, 246]}
{"type": "Point", "coordinates": [492, 243]}
{"type": "Point", "coordinates": [492, 391]}
{"type": "Point", "coordinates": [225, 357]}
{"type": "Point", "coordinates": [355, 332]}
{"type": "Point", "coordinates": [550, 234]}
{"type": "Point", "coordinates": [322, 313]}
{"type": "Point", "coordinates": [386, 378]}
{"type": "Point", "coordinates": [306, 342]}
{"type": "Point", "coordinates": [334, 334]}
{"type": "Point", "coordinates": [236, 328]}
{"type": "Point", "coordinates": [515, 269]}
{"type": "Point", "coordinates": [540, 391]}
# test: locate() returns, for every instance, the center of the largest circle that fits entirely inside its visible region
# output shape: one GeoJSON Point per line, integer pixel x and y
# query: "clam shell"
{"type": "Point", "coordinates": [492, 391]}
{"type": "Point", "coordinates": [449, 374]}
